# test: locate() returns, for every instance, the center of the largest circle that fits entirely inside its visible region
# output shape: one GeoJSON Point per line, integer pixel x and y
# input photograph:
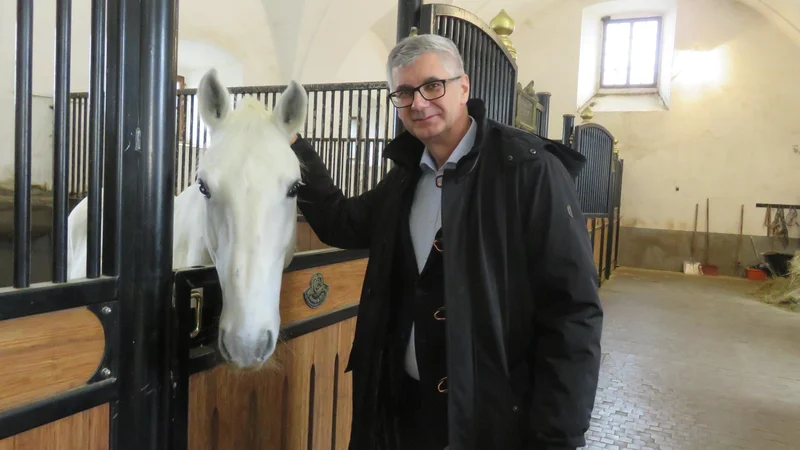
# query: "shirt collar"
{"type": "Point", "coordinates": [463, 147]}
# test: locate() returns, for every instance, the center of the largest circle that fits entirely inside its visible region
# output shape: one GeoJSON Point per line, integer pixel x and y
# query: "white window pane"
{"type": "Point", "coordinates": [615, 62]}
{"type": "Point", "coordinates": [643, 52]}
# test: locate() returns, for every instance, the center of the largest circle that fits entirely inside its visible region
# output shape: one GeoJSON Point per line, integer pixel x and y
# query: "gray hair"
{"type": "Point", "coordinates": [410, 48]}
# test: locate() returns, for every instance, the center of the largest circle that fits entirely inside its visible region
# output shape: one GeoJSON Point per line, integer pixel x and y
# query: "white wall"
{"type": "Point", "coordinates": [730, 127]}
{"type": "Point", "coordinates": [44, 17]}
{"type": "Point", "coordinates": [733, 99]}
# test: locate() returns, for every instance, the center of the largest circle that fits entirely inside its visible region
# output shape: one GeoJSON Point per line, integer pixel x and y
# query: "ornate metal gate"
{"type": "Point", "coordinates": [70, 368]}
{"type": "Point", "coordinates": [491, 68]}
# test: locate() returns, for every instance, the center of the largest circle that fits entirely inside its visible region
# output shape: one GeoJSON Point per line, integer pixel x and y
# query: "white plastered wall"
{"type": "Point", "coordinates": [733, 98]}
{"type": "Point", "coordinates": [731, 127]}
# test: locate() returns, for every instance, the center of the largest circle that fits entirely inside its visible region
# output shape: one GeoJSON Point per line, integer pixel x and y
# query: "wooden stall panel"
{"type": "Point", "coordinates": [87, 430]}
{"type": "Point", "coordinates": [598, 238]}
{"type": "Point", "coordinates": [46, 354]}
{"type": "Point", "coordinates": [303, 400]}
{"type": "Point", "coordinates": [344, 384]}
{"type": "Point", "coordinates": [343, 281]}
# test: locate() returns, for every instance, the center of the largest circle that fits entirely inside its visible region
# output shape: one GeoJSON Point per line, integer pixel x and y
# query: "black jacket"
{"type": "Point", "coordinates": [523, 315]}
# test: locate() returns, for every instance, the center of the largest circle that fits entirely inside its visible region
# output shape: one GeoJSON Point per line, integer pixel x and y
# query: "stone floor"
{"type": "Point", "coordinates": [694, 362]}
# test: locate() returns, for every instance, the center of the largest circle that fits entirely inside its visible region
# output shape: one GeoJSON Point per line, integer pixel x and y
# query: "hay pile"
{"type": "Point", "coordinates": [783, 292]}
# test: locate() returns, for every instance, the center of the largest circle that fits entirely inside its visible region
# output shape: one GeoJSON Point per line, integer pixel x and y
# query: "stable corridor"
{"type": "Point", "coordinates": [694, 362]}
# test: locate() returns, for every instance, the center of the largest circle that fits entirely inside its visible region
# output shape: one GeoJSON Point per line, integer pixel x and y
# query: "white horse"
{"type": "Point", "coordinates": [239, 215]}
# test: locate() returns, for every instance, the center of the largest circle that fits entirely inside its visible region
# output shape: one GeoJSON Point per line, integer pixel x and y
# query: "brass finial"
{"type": "Point", "coordinates": [414, 32]}
{"type": "Point", "coordinates": [616, 145]}
{"type": "Point", "coordinates": [587, 114]}
{"type": "Point", "coordinates": [503, 25]}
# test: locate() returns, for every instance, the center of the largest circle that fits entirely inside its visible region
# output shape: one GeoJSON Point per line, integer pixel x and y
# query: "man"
{"type": "Point", "coordinates": [479, 323]}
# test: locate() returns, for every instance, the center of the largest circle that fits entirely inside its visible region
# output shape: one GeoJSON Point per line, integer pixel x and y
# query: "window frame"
{"type": "Point", "coordinates": [657, 66]}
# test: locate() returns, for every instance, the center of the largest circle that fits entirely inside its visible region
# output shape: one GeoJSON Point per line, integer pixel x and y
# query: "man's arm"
{"type": "Point", "coordinates": [565, 359]}
{"type": "Point", "coordinates": [338, 221]}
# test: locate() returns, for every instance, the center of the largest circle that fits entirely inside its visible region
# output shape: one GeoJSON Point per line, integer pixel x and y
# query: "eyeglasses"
{"type": "Point", "coordinates": [403, 98]}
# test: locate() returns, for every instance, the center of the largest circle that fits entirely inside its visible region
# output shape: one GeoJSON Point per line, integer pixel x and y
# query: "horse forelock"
{"type": "Point", "coordinates": [249, 140]}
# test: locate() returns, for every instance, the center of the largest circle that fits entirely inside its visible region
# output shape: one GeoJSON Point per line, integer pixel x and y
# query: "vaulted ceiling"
{"type": "Point", "coordinates": [785, 14]}
{"type": "Point", "coordinates": [293, 38]}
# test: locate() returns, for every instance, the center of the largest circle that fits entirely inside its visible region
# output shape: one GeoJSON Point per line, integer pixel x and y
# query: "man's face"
{"type": "Point", "coordinates": [427, 119]}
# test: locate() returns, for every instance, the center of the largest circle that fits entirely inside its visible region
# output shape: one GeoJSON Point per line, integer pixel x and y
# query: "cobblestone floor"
{"type": "Point", "coordinates": [695, 363]}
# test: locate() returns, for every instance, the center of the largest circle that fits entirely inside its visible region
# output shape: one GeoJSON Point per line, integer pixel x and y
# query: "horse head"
{"type": "Point", "coordinates": [248, 179]}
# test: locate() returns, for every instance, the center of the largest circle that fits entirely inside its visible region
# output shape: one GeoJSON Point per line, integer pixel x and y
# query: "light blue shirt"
{"type": "Point", "coordinates": [425, 218]}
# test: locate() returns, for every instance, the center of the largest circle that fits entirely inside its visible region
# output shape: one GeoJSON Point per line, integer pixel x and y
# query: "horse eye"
{"type": "Point", "coordinates": [293, 190]}
{"type": "Point", "coordinates": [203, 189]}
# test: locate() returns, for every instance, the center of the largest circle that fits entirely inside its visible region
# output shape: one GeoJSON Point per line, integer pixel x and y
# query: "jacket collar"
{"type": "Point", "coordinates": [406, 150]}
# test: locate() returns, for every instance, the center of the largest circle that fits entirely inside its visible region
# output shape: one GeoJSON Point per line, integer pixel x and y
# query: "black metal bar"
{"type": "Point", "coordinates": [619, 212]}
{"type": "Point", "coordinates": [341, 153]}
{"type": "Point", "coordinates": [96, 103]}
{"type": "Point", "coordinates": [346, 159]}
{"type": "Point", "coordinates": [408, 16]}
{"type": "Point", "coordinates": [323, 148]}
{"type": "Point", "coordinates": [182, 325]}
{"type": "Point", "coordinates": [112, 153]}
{"type": "Point", "coordinates": [600, 268]}
{"type": "Point", "coordinates": [314, 113]}
{"type": "Point", "coordinates": [494, 88]}
{"type": "Point", "coordinates": [483, 69]}
{"type": "Point", "coordinates": [194, 146]}
{"type": "Point", "coordinates": [78, 160]}
{"type": "Point", "coordinates": [367, 159]}
{"type": "Point", "coordinates": [390, 115]}
{"type": "Point", "coordinates": [61, 140]}
{"type": "Point", "coordinates": [113, 426]}
{"type": "Point", "coordinates": [73, 104]}
{"type": "Point", "coordinates": [145, 272]}
{"type": "Point", "coordinates": [85, 145]}
{"type": "Point", "coordinates": [32, 415]}
{"type": "Point", "coordinates": [477, 77]}
{"type": "Point", "coordinates": [357, 166]}
{"type": "Point", "coordinates": [331, 144]}
{"type": "Point", "coordinates": [569, 125]}
{"type": "Point", "coordinates": [544, 100]}
{"type": "Point", "coordinates": [183, 133]}
{"type": "Point", "coordinates": [612, 194]}
{"type": "Point", "coordinates": [22, 145]}
{"type": "Point", "coordinates": [376, 154]}
{"type": "Point", "coordinates": [47, 297]}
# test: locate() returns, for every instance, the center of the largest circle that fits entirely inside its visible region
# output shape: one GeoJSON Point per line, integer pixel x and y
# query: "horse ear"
{"type": "Point", "coordinates": [290, 112]}
{"type": "Point", "coordinates": [213, 99]}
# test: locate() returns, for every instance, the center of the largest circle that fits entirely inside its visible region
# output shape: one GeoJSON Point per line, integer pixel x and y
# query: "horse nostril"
{"type": "Point", "coordinates": [266, 346]}
{"type": "Point", "coordinates": [225, 353]}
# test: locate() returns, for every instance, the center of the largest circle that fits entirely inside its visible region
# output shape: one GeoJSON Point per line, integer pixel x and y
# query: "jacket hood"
{"type": "Point", "coordinates": [571, 158]}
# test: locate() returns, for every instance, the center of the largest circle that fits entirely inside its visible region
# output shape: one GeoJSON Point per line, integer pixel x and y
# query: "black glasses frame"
{"type": "Point", "coordinates": [416, 90]}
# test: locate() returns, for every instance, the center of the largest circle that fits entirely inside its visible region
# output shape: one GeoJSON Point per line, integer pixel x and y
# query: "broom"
{"type": "Point", "coordinates": [692, 267]}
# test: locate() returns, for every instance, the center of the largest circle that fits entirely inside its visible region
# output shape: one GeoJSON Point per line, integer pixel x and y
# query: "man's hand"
{"type": "Point", "coordinates": [294, 138]}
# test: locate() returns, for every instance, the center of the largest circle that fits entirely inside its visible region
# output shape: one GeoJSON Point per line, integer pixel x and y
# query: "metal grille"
{"type": "Point", "coordinates": [594, 183]}
{"type": "Point", "coordinates": [543, 113]}
{"type": "Point", "coordinates": [491, 69]}
{"type": "Point", "coordinates": [349, 124]}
